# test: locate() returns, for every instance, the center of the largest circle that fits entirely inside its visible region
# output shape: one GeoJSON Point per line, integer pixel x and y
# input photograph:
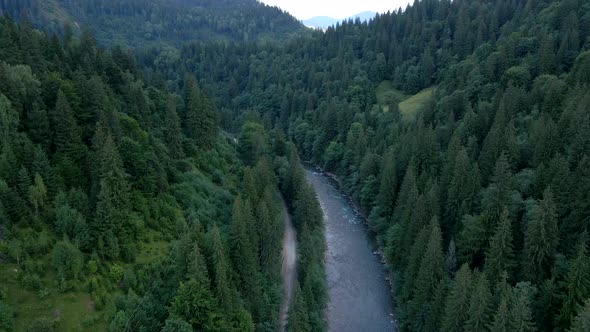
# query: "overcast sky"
{"type": "Point", "coordinates": [304, 9]}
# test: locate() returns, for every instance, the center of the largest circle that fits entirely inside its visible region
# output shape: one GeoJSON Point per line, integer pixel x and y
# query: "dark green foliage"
{"type": "Point", "coordinates": [172, 131]}
{"type": "Point", "coordinates": [542, 237]}
{"type": "Point", "coordinates": [196, 305]}
{"type": "Point", "coordinates": [480, 304]}
{"type": "Point", "coordinates": [166, 22]}
{"type": "Point", "coordinates": [458, 301]}
{"type": "Point", "coordinates": [67, 260]}
{"type": "Point", "coordinates": [6, 317]}
{"type": "Point", "coordinates": [500, 257]}
{"type": "Point", "coordinates": [582, 321]}
{"type": "Point", "coordinates": [99, 183]}
{"type": "Point", "coordinates": [576, 286]}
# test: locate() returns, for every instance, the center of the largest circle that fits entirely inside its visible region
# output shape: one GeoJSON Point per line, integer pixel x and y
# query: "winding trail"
{"type": "Point", "coordinates": [289, 266]}
{"type": "Point", "coordinates": [360, 297]}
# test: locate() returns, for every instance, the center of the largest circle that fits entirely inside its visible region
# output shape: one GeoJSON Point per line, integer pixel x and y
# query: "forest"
{"type": "Point", "coordinates": [125, 200]}
{"type": "Point", "coordinates": [146, 180]}
{"type": "Point", "coordinates": [141, 23]}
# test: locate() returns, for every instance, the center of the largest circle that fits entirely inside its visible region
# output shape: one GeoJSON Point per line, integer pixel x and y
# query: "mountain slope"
{"type": "Point", "coordinates": [171, 22]}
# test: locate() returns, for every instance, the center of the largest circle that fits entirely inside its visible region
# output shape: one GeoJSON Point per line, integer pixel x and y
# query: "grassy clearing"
{"type": "Point", "coordinates": [410, 106]}
{"type": "Point", "coordinates": [74, 310]}
{"type": "Point", "coordinates": [152, 251]}
{"type": "Point", "coordinates": [386, 94]}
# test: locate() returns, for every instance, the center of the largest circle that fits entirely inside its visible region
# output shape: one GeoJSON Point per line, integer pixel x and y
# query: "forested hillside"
{"type": "Point", "coordinates": [462, 130]}
{"type": "Point", "coordinates": [143, 23]}
{"type": "Point", "coordinates": [123, 208]}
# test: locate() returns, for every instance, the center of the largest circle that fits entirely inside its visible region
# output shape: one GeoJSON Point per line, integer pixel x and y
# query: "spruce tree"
{"type": "Point", "coordinates": [38, 194]}
{"type": "Point", "coordinates": [582, 321]}
{"type": "Point", "coordinates": [501, 321]}
{"type": "Point", "coordinates": [431, 267]}
{"type": "Point", "coordinates": [500, 256]}
{"type": "Point", "coordinates": [67, 133]}
{"type": "Point", "coordinates": [243, 253]}
{"type": "Point", "coordinates": [479, 313]}
{"type": "Point", "coordinates": [387, 190]}
{"type": "Point", "coordinates": [113, 201]}
{"type": "Point", "coordinates": [457, 305]}
{"type": "Point", "coordinates": [521, 313]}
{"type": "Point", "coordinates": [221, 279]}
{"type": "Point", "coordinates": [576, 286]}
{"type": "Point", "coordinates": [298, 320]}
{"type": "Point", "coordinates": [172, 130]}
{"type": "Point", "coordinates": [541, 238]}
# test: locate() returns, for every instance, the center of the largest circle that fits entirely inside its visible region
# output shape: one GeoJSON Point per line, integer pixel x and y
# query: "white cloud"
{"type": "Point", "coordinates": [304, 9]}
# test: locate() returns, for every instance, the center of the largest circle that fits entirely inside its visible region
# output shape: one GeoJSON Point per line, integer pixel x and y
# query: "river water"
{"type": "Point", "coordinates": [360, 298]}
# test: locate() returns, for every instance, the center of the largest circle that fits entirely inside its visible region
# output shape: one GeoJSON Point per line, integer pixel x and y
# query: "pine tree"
{"type": "Point", "coordinates": [268, 235]}
{"type": "Point", "coordinates": [196, 267]}
{"type": "Point", "coordinates": [521, 314]}
{"type": "Point", "coordinates": [200, 118]}
{"type": "Point", "coordinates": [220, 269]}
{"type": "Point", "coordinates": [38, 193]}
{"type": "Point", "coordinates": [414, 262]}
{"type": "Point", "coordinates": [479, 312]}
{"type": "Point", "coordinates": [195, 304]}
{"type": "Point", "coordinates": [427, 67]}
{"type": "Point", "coordinates": [387, 191]}
{"type": "Point", "coordinates": [462, 193]}
{"type": "Point", "coordinates": [457, 305]}
{"type": "Point", "coordinates": [431, 267]}
{"type": "Point", "coordinates": [38, 126]}
{"type": "Point", "coordinates": [23, 184]}
{"type": "Point", "coordinates": [547, 55]}
{"type": "Point", "coordinates": [576, 286]}
{"type": "Point", "coordinates": [172, 130]}
{"type": "Point", "coordinates": [243, 253]}
{"type": "Point", "coordinates": [9, 120]}
{"type": "Point", "coordinates": [113, 200]}
{"type": "Point", "coordinates": [298, 320]}
{"type": "Point", "coordinates": [501, 321]}
{"type": "Point", "coordinates": [541, 238]}
{"type": "Point", "coordinates": [497, 197]}
{"type": "Point", "coordinates": [67, 133]}
{"type": "Point", "coordinates": [500, 256]}
{"type": "Point", "coordinates": [582, 321]}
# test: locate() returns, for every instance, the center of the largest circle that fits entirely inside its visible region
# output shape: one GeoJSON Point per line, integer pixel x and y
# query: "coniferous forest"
{"type": "Point", "coordinates": [143, 170]}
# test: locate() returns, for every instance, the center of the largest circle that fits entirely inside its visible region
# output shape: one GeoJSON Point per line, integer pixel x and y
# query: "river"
{"type": "Point", "coordinates": [360, 297]}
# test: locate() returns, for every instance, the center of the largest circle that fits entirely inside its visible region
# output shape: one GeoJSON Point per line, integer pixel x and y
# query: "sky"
{"type": "Point", "coordinates": [305, 9]}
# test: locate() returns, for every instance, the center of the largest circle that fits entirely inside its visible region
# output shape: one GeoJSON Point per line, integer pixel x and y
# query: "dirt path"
{"type": "Point", "coordinates": [289, 266]}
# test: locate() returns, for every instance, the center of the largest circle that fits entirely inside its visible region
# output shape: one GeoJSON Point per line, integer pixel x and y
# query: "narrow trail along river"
{"type": "Point", "coordinates": [289, 266]}
{"type": "Point", "coordinates": [360, 299]}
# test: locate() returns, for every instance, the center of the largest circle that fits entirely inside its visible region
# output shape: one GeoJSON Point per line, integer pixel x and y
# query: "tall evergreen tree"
{"type": "Point", "coordinates": [172, 130]}
{"type": "Point", "coordinates": [576, 286]}
{"type": "Point", "coordinates": [431, 267]}
{"type": "Point", "coordinates": [500, 256]}
{"type": "Point", "coordinates": [457, 306]}
{"type": "Point", "coordinates": [541, 238]}
{"type": "Point", "coordinates": [479, 312]}
{"type": "Point", "coordinates": [113, 202]}
{"type": "Point", "coordinates": [582, 321]}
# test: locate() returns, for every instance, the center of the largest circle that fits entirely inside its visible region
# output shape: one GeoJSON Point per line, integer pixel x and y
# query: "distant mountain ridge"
{"type": "Point", "coordinates": [140, 23]}
{"type": "Point", "coordinates": [323, 22]}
